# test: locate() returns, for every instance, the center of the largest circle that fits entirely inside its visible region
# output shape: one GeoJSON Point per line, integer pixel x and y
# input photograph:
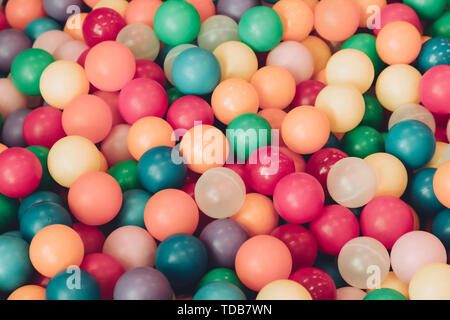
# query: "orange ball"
{"type": "Point", "coordinates": [320, 51]}
{"type": "Point", "coordinates": [297, 18]}
{"type": "Point", "coordinates": [2, 147]}
{"type": "Point", "coordinates": [88, 116]}
{"type": "Point", "coordinates": [257, 215]}
{"type": "Point", "coordinates": [399, 42]}
{"type": "Point", "coordinates": [103, 163]}
{"type": "Point", "coordinates": [275, 87]}
{"type": "Point", "coordinates": [110, 65]}
{"type": "Point", "coordinates": [55, 248]}
{"type": "Point", "coordinates": [142, 11]}
{"type": "Point", "coordinates": [336, 20]}
{"type": "Point", "coordinates": [441, 184]}
{"type": "Point", "coordinates": [204, 147]}
{"type": "Point", "coordinates": [74, 26]}
{"type": "Point", "coordinates": [305, 129]}
{"type": "Point", "coordinates": [234, 97]}
{"type": "Point", "coordinates": [170, 211]}
{"type": "Point", "coordinates": [261, 260]}
{"type": "Point", "coordinates": [147, 133]}
{"type": "Point", "coordinates": [95, 198]}
{"type": "Point", "coordinates": [21, 12]}
{"type": "Point", "coordinates": [275, 118]}
{"type": "Point", "coordinates": [368, 10]}
{"type": "Point", "coordinates": [205, 8]}
{"type": "Point", "coordinates": [29, 292]}
{"type": "Point", "coordinates": [91, 3]}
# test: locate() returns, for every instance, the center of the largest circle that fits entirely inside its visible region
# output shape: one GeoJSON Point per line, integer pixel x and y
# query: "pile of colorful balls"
{"type": "Point", "coordinates": [224, 150]}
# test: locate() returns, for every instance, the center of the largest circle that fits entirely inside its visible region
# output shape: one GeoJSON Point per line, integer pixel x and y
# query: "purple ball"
{"type": "Point", "coordinates": [12, 42]}
{"type": "Point", "coordinates": [235, 8]}
{"type": "Point", "coordinates": [12, 133]}
{"type": "Point", "coordinates": [143, 283]}
{"type": "Point", "coordinates": [60, 9]}
{"type": "Point", "coordinates": [222, 239]}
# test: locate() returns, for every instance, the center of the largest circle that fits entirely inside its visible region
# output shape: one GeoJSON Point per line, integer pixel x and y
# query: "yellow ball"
{"type": "Point", "coordinates": [283, 290]}
{"type": "Point", "coordinates": [62, 81]}
{"type": "Point", "coordinates": [70, 157]}
{"type": "Point", "coordinates": [439, 155]}
{"type": "Point", "coordinates": [350, 66]}
{"type": "Point", "coordinates": [393, 282]}
{"type": "Point", "coordinates": [119, 6]}
{"type": "Point", "coordinates": [236, 60]}
{"type": "Point", "coordinates": [344, 106]}
{"type": "Point", "coordinates": [398, 85]}
{"type": "Point", "coordinates": [431, 282]}
{"type": "Point", "coordinates": [391, 174]}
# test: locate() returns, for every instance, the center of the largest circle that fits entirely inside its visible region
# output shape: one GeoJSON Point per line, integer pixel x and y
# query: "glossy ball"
{"type": "Point", "coordinates": [384, 294]}
{"type": "Point", "coordinates": [422, 195]}
{"type": "Point", "coordinates": [103, 24]}
{"type": "Point", "coordinates": [126, 174]}
{"type": "Point", "coordinates": [141, 40]}
{"type": "Point", "coordinates": [219, 291]}
{"type": "Point", "coordinates": [306, 93]}
{"type": "Point", "coordinates": [362, 142]}
{"type": "Point", "coordinates": [92, 237]}
{"type": "Point", "coordinates": [43, 127]}
{"type": "Point", "coordinates": [427, 10]}
{"type": "Point", "coordinates": [319, 284]}
{"type": "Point", "coordinates": [434, 52]}
{"type": "Point", "coordinates": [185, 111]}
{"type": "Point", "coordinates": [432, 89]}
{"type": "Point", "coordinates": [441, 227]}
{"type": "Point", "coordinates": [397, 12]}
{"type": "Point", "coordinates": [20, 12]}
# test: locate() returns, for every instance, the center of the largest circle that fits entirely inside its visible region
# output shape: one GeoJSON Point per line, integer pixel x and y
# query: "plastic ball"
{"type": "Point", "coordinates": [43, 127]}
{"type": "Point", "coordinates": [217, 30]}
{"type": "Point", "coordinates": [28, 292]}
{"type": "Point", "coordinates": [141, 40]}
{"type": "Point", "coordinates": [275, 118]}
{"type": "Point", "coordinates": [283, 290]}
{"type": "Point", "coordinates": [171, 55]}
{"type": "Point", "coordinates": [12, 43]}
{"type": "Point", "coordinates": [110, 66]}
{"type": "Point", "coordinates": [433, 89]}
{"type": "Point", "coordinates": [297, 18]}
{"type": "Point", "coordinates": [219, 290]}
{"type": "Point", "coordinates": [412, 142]}
{"type": "Point", "coordinates": [363, 261]}
{"type": "Point", "coordinates": [384, 294]}
{"type": "Point", "coordinates": [318, 283]}
{"type": "Point", "coordinates": [132, 211]}
{"type": "Point", "coordinates": [320, 51]}
{"type": "Point", "coordinates": [235, 8]}
{"type": "Point", "coordinates": [237, 60]}
{"type": "Point", "coordinates": [205, 8]}
{"type": "Point", "coordinates": [92, 237]}
{"type": "Point", "coordinates": [430, 282]}
{"type": "Point", "coordinates": [352, 182]}
{"type": "Point", "coordinates": [261, 260]}
{"type": "Point", "coordinates": [427, 10]}
{"type": "Point", "coordinates": [37, 198]}
{"type": "Point", "coordinates": [141, 11]}
{"type": "Point", "coordinates": [441, 227]}
{"type": "Point", "coordinates": [132, 246]}
{"type": "Point", "coordinates": [185, 111]}
{"type": "Point", "coordinates": [365, 43]}
{"type": "Point", "coordinates": [398, 85]}
{"type": "Point", "coordinates": [103, 24]}
{"type": "Point", "coordinates": [367, 8]}
{"type": "Point", "coordinates": [119, 6]}
{"type": "Point", "coordinates": [70, 157]}
{"type": "Point", "coordinates": [350, 293]}
{"type": "Point", "coordinates": [51, 40]}
{"type": "Point", "coordinates": [220, 192]}
{"type": "Point", "coordinates": [12, 129]}
{"type": "Point", "coordinates": [306, 93]}
{"type": "Point", "coordinates": [16, 269]}
{"type": "Point", "coordinates": [74, 25]}
{"type": "Point", "coordinates": [362, 142]}
{"type": "Point", "coordinates": [396, 12]}
{"type": "Point", "coordinates": [412, 112]}
{"type": "Point", "coordinates": [150, 70]}
{"type": "Point", "coordinates": [260, 28]}
{"type": "Point", "coordinates": [9, 212]}
{"type": "Point", "coordinates": [421, 193]}
{"type": "Point", "coordinates": [414, 250]}
{"type": "Point", "coordinates": [39, 26]}
{"type": "Point", "coordinates": [114, 147]}
{"type": "Point", "coordinates": [439, 28]}
{"type": "Point", "coordinates": [441, 185]}
{"type": "Point", "coordinates": [70, 50]}
{"type": "Point", "coordinates": [63, 287]}
{"type": "Point", "coordinates": [20, 12]}
{"type": "Point", "coordinates": [11, 99]}
{"type": "Point", "coordinates": [434, 52]}
{"type": "Point", "coordinates": [220, 275]}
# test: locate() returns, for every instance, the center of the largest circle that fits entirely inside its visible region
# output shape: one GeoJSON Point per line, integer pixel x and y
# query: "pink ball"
{"type": "Point", "coordinates": [70, 50]}
{"type": "Point", "coordinates": [333, 228]}
{"type": "Point", "coordinates": [298, 198]}
{"type": "Point", "coordinates": [414, 250]}
{"type": "Point", "coordinates": [142, 98]}
{"type": "Point", "coordinates": [115, 147]}
{"type": "Point", "coordinates": [398, 12]}
{"type": "Point", "coordinates": [43, 127]}
{"type": "Point", "coordinates": [150, 70]}
{"type": "Point", "coordinates": [306, 93]}
{"type": "Point", "coordinates": [386, 219]}
{"type": "Point", "coordinates": [185, 111]}
{"type": "Point", "coordinates": [239, 168]}
{"type": "Point", "coordinates": [434, 89]}
{"type": "Point", "coordinates": [265, 167]}
{"type": "Point", "coordinates": [20, 172]}
{"type": "Point", "coordinates": [350, 293]}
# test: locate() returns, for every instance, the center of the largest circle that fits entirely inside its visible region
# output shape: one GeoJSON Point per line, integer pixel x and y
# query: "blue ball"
{"type": "Point", "coordinates": [435, 51]}
{"type": "Point", "coordinates": [329, 265]}
{"type": "Point", "coordinates": [42, 215]}
{"type": "Point", "coordinates": [441, 227]}
{"type": "Point", "coordinates": [412, 142]}
{"type": "Point", "coordinates": [132, 211]}
{"type": "Point", "coordinates": [15, 234]}
{"type": "Point", "coordinates": [220, 290]}
{"type": "Point", "coordinates": [73, 284]}
{"type": "Point", "coordinates": [15, 265]}
{"type": "Point", "coordinates": [196, 71]}
{"type": "Point", "coordinates": [37, 197]}
{"type": "Point", "coordinates": [183, 259]}
{"type": "Point", "coordinates": [157, 170]}
{"type": "Point", "coordinates": [421, 193]}
{"type": "Point", "coordinates": [39, 26]}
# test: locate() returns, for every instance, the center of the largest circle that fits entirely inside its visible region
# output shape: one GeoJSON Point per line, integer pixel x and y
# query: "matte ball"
{"type": "Point", "coordinates": [433, 89]}
{"type": "Point", "coordinates": [58, 10]}
{"type": "Point", "coordinates": [43, 127]}
{"type": "Point", "coordinates": [12, 43]}
{"type": "Point", "coordinates": [186, 111]}
{"type": "Point", "coordinates": [12, 129]}
{"type": "Point", "coordinates": [219, 291]}
{"type": "Point", "coordinates": [63, 287]}
{"type": "Point", "coordinates": [16, 269]}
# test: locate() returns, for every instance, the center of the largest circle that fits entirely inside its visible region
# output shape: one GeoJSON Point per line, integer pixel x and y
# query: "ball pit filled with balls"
{"type": "Point", "coordinates": [224, 150]}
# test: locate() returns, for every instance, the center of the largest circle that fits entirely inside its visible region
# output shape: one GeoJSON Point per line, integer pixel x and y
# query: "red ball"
{"type": "Point", "coordinates": [239, 168]}
{"type": "Point", "coordinates": [20, 172]}
{"type": "Point", "coordinates": [321, 162]}
{"type": "Point", "coordinates": [386, 219]}
{"type": "Point", "coordinates": [298, 198]}
{"type": "Point", "coordinates": [150, 70]}
{"type": "Point", "coordinates": [43, 127]}
{"type": "Point", "coordinates": [333, 228]}
{"type": "Point", "coordinates": [187, 110]}
{"type": "Point", "coordinates": [441, 134]}
{"type": "Point", "coordinates": [306, 93]}
{"type": "Point", "coordinates": [142, 98]}
{"type": "Point", "coordinates": [319, 284]}
{"type": "Point", "coordinates": [3, 21]}
{"type": "Point", "coordinates": [397, 12]}
{"type": "Point", "coordinates": [301, 244]}
{"type": "Point", "coordinates": [92, 237]}
{"type": "Point", "coordinates": [434, 89]}
{"type": "Point", "coordinates": [102, 24]}
{"type": "Point", "coordinates": [265, 167]}
{"type": "Point", "coordinates": [106, 270]}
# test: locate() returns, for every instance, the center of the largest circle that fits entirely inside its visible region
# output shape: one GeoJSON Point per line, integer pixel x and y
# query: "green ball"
{"type": "Point", "coordinates": [41, 153]}
{"type": "Point", "coordinates": [366, 43]}
{"type": "Point", "coordinates": [126, 174]}
{"type": "Point", "coordinates": [384, 294]}
{"type": "Point", "coordinates": [373, 116]}
{"type": "Point", "coordinates": [362, 142]}
{"type": "Point", "coordinates": [221, 274]}
{"type": "Point", "coordinates": [261, 28]}
{"type": "Point", "coordinates": [173, 94]}
{"type": "Point", "coordinates": [247, 133]}
{"type": "Point", "coordinates": [27, 68]}
{"type": "Point", "coordinates": [440, 27]}
{"type": "Point", "coordinates": [176, 22]}
{"type": "Point", "coordinates": [427, 9]}
{"type": "Point", "coordinates": [8, 212]}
